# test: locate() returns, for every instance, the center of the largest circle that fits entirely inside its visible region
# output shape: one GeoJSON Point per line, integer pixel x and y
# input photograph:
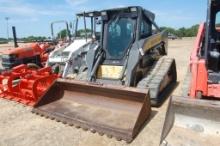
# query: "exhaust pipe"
{"type": "Point", "coordinates": [15, 37]}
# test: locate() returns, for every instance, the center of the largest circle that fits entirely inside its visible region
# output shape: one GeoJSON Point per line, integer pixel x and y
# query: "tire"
{"type": "Point", "coordinates": [199, 94]}
{"type": "Point", "coordinates": [33, 66]}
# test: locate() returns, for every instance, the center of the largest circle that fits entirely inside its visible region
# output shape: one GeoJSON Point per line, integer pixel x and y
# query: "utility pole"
{"type": "Point", "coordinates": [7, 19]}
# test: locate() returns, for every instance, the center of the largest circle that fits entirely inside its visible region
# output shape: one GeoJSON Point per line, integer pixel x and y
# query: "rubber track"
{"type": "Point", "coordinates": [155, 78]}
{"type": "Point", "coordinates": [186, 84]}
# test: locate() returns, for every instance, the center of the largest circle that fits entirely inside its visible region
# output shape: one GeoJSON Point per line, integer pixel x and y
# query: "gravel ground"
{"type": "Point", "coordinates": [19, 127]}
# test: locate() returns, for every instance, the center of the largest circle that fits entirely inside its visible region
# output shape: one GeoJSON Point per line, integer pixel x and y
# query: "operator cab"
{"type": "Point", "coordinates": [118, 27]}
{"type": "Point", "coordinates": [212, 42]}
{"type": "Point", "coordinates": [121, 24]}
{"type": "Point", "coordinates": [125, 31]}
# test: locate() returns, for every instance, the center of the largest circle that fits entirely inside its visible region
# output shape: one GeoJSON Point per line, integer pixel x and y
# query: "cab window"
{"type": "Point", "coordinates": [217, 22]}
{"type": "Point", "coordinates": [120, 29]}
{"type": "Point", "coordinates": [146, 29]}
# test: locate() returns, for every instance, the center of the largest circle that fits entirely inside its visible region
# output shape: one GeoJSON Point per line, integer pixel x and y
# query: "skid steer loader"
{"type": "Point", "coordinates": [110, 94]}
{"type": "Point", "coordinates": [194, 118]}
{"type": "Point", "coordinates": [68, 58]}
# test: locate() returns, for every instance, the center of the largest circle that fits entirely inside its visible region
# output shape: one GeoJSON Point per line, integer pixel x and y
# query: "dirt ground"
{"type": "Point", "coordinates": [19, 127]}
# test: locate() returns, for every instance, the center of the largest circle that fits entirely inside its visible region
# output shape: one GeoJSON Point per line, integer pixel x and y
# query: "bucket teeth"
{"type": "Point", "coordinates": [101, 111]}
{"type": "Point", "coordinates": [70, 124]}
{"type": "Point", "coordinates": [101, 134]}
{"type": "Point", "coordinates": [128, 141]}
{"type": "Point", "coordinates": [64, 122]}
{"type": "Point", "coordinates": [109, 136]}
{"type": "Point", "coordinates": [83, 128]}
{"type": "Point", "coordinates": [118, 138]}
{"type": "Point", "coordinates": [93, 130]}
{"type": "Point", "coordinates": [57, 120]}
{"type": "Point", "coordinates": [77, 126]}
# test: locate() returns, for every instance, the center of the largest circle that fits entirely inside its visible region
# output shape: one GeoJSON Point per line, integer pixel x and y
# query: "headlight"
{"type": "Point", "coordinates": [9, 56]}
{"type": "Point", "coordinates": [104, 13]}
{"type": "Point", "coordinates": [134, 9]}
{"type": "Point", "coordinates": [91, 15]}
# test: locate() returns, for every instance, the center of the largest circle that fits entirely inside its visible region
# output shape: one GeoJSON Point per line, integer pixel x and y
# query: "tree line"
{"type": "Point", "coordinates": [183, 32]}
{"type": "Point", "coordinates": [33, 38]}
{"type": "Point", "coordinates": [80, 33]}
{"type": "Point", "coordinates": [3, 40]}
{"type": "Point", "coordinates": [25, 39]}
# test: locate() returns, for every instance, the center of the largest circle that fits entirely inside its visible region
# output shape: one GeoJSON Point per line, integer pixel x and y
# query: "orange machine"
{"type": "Point", "coordinates": [34, 53]}
{"type": "Point", "coordinates": [203, 80]}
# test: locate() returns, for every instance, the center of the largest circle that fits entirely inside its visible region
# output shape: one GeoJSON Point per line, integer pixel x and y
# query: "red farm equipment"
{"type": "Point", "coordinates": [34, 53]}
{"type": "Point", "coordinates": [194, 118]}
{"type": "Point", "coordinates": [203, 80]}
{"type": "Point", "coordinates": [24, 77]}
{"type": "Point", "coordinates": [26, 85]}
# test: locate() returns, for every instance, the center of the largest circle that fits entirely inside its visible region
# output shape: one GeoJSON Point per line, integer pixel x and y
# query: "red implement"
{"type": "Point", "coordinates": [25, 85]}
{"type": "Point", "coordinates": [199, 71]}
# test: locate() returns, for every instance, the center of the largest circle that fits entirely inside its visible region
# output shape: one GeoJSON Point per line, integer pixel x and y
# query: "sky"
{"type": "Point", "coordinates": [33, 17]}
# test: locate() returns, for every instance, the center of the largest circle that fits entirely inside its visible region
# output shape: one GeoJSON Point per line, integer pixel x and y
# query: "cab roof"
{"type": "Point", "coordinates": [89, 14]}
{"type": "Point", "coordinates": [147, 13]}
